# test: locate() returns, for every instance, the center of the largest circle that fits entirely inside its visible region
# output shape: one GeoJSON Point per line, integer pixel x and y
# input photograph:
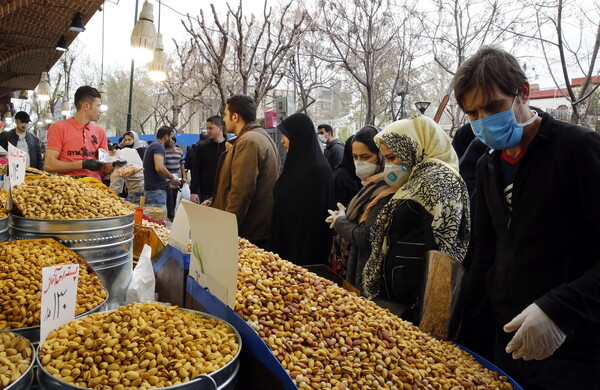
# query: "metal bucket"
{"type": "Point", "coordinates": [4, 229]}
{"type": "Point", "coordinates": [25, 382]}
{"type": "Point", "coordinates": [225, 378]}
{"type": "Point", "coordinates": [105, 243]}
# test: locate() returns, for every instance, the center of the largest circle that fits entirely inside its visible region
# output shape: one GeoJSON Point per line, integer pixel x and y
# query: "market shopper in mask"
{"type": "Point", "coordinates": [24, 140]}
{"type": "Point", "coordinates": [536, 255]}
{"type": "Point", "coordinates": [430, 210]}
{"type": "Point", "coordinates": [301, 196]}
{"type": "Point", "coordinates": [334, 148]}
{"type": "Point", "coordinates": [345, 182]}
{"type": "Point", "coordinates": [352, 246]}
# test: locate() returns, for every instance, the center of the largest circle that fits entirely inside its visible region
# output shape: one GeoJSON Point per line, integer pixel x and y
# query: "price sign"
{"type": "Point", "coordinates": [59, 293]}
{"type": "Point", "coordinates": [17, 159]}
{"type": "Point", "coordinates": [103, 155]}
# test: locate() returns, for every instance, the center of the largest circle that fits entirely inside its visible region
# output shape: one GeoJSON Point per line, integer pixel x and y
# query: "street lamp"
{"type": "Point", "coordinates": [422, 106]}
{"type": "Point", "coordinates": [402, 93]}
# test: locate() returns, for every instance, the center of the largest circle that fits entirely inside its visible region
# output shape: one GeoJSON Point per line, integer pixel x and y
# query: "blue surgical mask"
{"type": "Point", "coordinates": [501, 131]}
{"type": "Point", "coordinates": [395, 175]}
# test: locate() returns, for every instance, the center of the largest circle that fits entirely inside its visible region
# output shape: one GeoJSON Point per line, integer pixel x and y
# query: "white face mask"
{"type": "Point", "coordinates": [365, 169]}
{"type": "Point", "coordinates": [24, 126]}
{"type": "Point", "coordinates": [322, 138]}
{"type": "Point", "coordinates": [395, 175]}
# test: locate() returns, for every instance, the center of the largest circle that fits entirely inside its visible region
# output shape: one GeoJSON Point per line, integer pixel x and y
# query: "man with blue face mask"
{"type": "Point", "coordinates": [536, 251]}
{"type": "Point", "coordinates": [24, 140]}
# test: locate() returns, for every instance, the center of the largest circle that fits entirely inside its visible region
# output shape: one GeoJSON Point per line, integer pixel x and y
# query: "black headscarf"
{"type": "Point", "coordinates": [345, 182]}
{"type": "Point", "coordinates": [302, 195]}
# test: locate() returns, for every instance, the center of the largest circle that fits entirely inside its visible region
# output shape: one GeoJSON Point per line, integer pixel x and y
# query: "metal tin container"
{"type": "Point", "coordinates": [4, 229]}
{"type": "Point", "coordinates": [25, 382]}
{"type": "Point", "coordinates": [32, 333]}
{"type": "Point", "coordinates": [105, 243]}
{"type": "Point", "coordinates": [225, 377]}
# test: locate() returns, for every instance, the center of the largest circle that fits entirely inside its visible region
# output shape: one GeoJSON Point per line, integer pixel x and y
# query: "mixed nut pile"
{"type": "Point", "coordinates": [21, 265]}
{"type": "Point", "coordinates": [139, 346]}
{"type": "Point", "coordinates": [63, 197]}
{"type": "Point", "coordinates": [326, 337]}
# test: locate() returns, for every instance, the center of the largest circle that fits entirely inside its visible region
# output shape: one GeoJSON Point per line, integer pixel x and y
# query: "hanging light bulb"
{"type": "Point", "coordinates": [103, 96]}
{"type": "Point", "coordinates": [65, 106]}
{"type": "Point", "coordinates": [157, 68]}
{"type": "Point", "coordinates": [143, 36]}
{"type": "Point", "coordinates": [43, 92]}
{"type": "Point", "coordinates": [48, 117]}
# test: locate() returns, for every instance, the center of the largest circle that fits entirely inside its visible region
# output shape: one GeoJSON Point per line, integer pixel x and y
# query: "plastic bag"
{"type": "Point", "coordinates": [143, 284]}
{"type": "Point", "coordinates": [185, 191]}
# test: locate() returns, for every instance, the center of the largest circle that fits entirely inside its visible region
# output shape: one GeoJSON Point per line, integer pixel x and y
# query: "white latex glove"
{"type": "Point", "coordinates": [334, 214]}
{"type": "Point", "coordinates": [537, 336]}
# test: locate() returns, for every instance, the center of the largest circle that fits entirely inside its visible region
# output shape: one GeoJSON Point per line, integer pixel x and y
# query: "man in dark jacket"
{"type": "Point", "coordinates": [24, 140]}
{"type": "Point", "coordinates": [206, 160]}
{"type": "Point", "coordinates": [334, 149]}
{"type": "Point", "coordinates": [536, 254]}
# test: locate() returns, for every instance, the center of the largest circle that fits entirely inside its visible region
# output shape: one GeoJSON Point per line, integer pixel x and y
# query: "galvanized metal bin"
{"type": "Point", "coordinates": [105, 243]}
{"type": "Point", "coordinates": [4, 229]}
{"type": "Point", "coordinates": [25, 382]}
{"type": "Point", "coordinates": [225, 378]}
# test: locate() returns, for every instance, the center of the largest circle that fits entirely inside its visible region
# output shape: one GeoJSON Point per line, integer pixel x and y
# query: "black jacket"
{"type": "Point", "coordinates": [33, 143]}
{"type": "Point", "coordinates": [334, 153]}
{"type": "Point", "coordinates": [547, 250]}
{"type": "Point", "coordinates": [204, 169]}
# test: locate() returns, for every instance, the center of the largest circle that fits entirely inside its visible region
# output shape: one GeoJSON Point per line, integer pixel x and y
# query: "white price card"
{"type": "Point", "coordinates": [103, 155]}
{"type": "Point", "coordinates": [17, 159]}
{"type": "Point", "coordinates": [59, 293]}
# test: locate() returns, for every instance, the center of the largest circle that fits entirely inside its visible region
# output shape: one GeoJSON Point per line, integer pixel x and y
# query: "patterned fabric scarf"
{"type": "Point", "coordinates": [434, 183]}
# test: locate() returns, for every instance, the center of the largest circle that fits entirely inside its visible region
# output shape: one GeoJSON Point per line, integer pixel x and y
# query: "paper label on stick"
{"type": "Point", "coordinates": [59, 297]}
{"type": "Point", "coordinates": [17, 160]}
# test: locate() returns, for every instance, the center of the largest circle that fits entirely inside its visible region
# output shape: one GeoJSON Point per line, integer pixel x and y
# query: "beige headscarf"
{"type": "Point", "coordinates": [434, 183]}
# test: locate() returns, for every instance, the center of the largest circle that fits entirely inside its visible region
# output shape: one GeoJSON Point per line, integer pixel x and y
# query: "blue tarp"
{"type": "Point", "coordinates": [182, 139]}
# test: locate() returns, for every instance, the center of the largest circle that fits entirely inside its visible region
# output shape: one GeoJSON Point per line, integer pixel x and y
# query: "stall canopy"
{"type": "Point", "coordinates": [29, 33]}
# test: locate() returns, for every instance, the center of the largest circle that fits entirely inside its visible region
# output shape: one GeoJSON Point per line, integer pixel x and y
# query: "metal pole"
{"type": "Point", "coordinates": [402, 105]}
{"type": "Point", "coordinates": [131, 75]}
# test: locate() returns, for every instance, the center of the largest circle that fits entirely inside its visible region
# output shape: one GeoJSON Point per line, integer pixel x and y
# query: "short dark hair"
{"type": "Point", "coordinates": [85, 94]}
{"type": "Point", "coordinates": [163, 131]}
{"type": "Point", "coordinates": [489, 66]}
{"type": "Point", "coordinates": [327, 128]}
{"type": "Point", "coordinates": [366, 135]}
{"type": "Point", "coordinates": [217, 120]}
{"type": "Point", "coordinates": [244, 106]}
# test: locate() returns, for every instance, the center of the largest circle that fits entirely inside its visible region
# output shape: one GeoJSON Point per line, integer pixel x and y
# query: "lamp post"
{"type": "Point", "coordinates": [402, 93]}
{"type": "Point", "coordinates": [422, 106]}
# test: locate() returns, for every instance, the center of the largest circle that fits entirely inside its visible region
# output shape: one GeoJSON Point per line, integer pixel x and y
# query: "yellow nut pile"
{"type": "Point", "coordinates": [63, 197]}
{"type": "Point", "coordinates": [139, 346]}
{"type": "Point", "coordinates": [3, 198]}
{"type": "Point", "coordinates": [328, 338]}
{"type": "Point", "coordinates": [162, 232]}
{"type": "Point", "coordinates": [15, 358]}
{"type": "Point", "coordinates": [21, 265]}
{"type": "Point", "coordinates": [126, 170]}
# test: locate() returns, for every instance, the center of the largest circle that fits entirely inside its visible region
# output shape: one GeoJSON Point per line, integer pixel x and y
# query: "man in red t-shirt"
{"type": "Point", "coordinates": [73, 143]}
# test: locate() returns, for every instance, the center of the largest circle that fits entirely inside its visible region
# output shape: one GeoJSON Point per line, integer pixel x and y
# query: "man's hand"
{"type": "Point", "coordinates": [537, 336]}
{"type": "Point", "coordinates": [335, 214]}
{"type": "Point", "coordinates": [194, 198]}
{"type": "Point", "coordinates": [92, 165]}
{"type": "Point", "coordinates": [207, 202]}
{"type": "Point", "coordinates": [175, 182]}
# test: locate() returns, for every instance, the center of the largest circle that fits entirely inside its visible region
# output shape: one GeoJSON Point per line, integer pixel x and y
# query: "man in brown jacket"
{"type": "Point", "coordinates": [247, 172]}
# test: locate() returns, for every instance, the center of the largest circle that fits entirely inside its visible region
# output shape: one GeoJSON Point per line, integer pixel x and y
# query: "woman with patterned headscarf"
{"type": "Point", "coordinates": [430, 210]}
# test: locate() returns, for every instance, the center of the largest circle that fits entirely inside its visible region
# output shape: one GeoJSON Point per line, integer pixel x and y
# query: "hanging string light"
{"type": "Point", "coordinates": [65, 106]}
{"type": "Point", "coordinates": [43, 92]}
{"type": "Point", "coordinates": [48, 117]}
{"type": "Point", "coordinates": [157, 68]}
{"type": "Point", "coordinates": [143, 36]}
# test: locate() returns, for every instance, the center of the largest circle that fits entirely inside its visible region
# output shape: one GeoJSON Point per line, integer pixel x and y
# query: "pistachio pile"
{"type": "Point", "coordinates": [126, 170]}
{"type": "Point", "coordinates": [328, 338]}
{"type": "Point", "coordinates": [21, 265]}
{"type": "Point", "coordinates": [15, 358]}
{"type": "Point", "coordinates": [139, 346]}
{"type": "Point", "coordinates": [63, 197]}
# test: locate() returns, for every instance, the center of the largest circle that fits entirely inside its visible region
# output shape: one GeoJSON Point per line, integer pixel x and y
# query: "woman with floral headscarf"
{"type": "Point", "coordinates": [430, 210]}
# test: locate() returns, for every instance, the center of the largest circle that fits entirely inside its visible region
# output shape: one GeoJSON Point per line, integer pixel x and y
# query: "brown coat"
{"type": "Point", "coordinates": [246, 175]}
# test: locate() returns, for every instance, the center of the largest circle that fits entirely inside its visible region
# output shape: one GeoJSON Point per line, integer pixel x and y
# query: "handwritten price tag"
{"type": "Point", "coordinates": [17, 159]}
{"type": "Point", "coordinates": [59, 293]}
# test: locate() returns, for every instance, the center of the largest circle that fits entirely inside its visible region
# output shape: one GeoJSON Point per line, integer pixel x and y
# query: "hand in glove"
{"type": "Point", "coordinates": [92, 165]}
{"type": "Point", "coordinates": [119, 163]}
{"type": "Point", "coordinates": [537, 336]}
{"type": "Point", "coordinates": [334, 214]}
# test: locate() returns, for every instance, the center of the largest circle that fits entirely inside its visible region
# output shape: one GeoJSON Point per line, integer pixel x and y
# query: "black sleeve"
{"type": "Point", "coordinates": [4, 140]}
{"type": "Point", "coordinates": [337, 154]}
{"type": "Point", "coordinates": [190, 157]}
{"type": "Point", "coordinates": [38, 152]}
{"type": "Point", "coordinates": [484, 242]}
{"type": "Point", "coordinates": [196, 172]}
{"type": "Point", "coordinates": [359, 235]}
{"type": "Point", "coordinates": [578, 301]}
